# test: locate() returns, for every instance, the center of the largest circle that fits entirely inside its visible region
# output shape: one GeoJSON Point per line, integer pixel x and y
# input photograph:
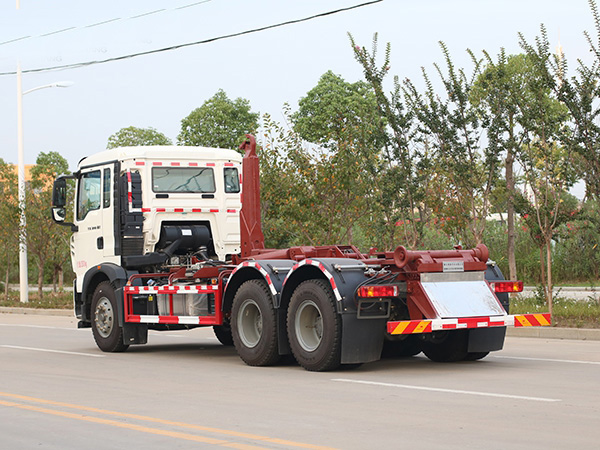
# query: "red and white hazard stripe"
{"type": "Point", "coordinates": [323, 269]}
{"type": "Point", "coordinates": [185, 210]}
{"type": "Point", "coordinates": [428, 326]}
{"type": "Point", "coordinates": [173, 320]}
{"type": "Point", "coordinates": [182, 164]}
{"type": "Point", "coordinates": [262, 271]}
{"type": "Point", "coordinates": [171, 289]}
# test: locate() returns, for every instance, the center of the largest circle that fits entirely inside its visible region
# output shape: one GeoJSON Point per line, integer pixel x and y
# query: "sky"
{"type": "Point", "coordinates": [269, 68]}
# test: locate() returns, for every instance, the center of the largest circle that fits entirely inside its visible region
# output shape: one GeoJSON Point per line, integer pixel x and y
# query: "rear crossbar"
{"type": "Point", "coordinates": [428, 326]}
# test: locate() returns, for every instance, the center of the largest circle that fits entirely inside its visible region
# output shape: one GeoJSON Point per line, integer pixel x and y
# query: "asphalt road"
{"type": "Point", "coordinates": [185, 390]}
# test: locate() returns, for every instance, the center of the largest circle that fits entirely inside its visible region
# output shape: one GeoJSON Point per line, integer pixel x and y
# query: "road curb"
{"type": "Point", "coordinates": [36, 311]}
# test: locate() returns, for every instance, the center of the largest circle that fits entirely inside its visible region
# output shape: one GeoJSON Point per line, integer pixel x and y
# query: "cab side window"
{"type": "Point", "coordinates": [232, 180]}
{"type": "Point", "coordinates": [89, 193]}
{"type": "Point", "coordinates": [106, 190]}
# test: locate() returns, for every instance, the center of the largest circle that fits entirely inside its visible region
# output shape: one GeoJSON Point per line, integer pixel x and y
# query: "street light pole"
{"type": "Point", "coordinates": [23, 271]}
{"type": "Point", "coordinates": [23, 282]}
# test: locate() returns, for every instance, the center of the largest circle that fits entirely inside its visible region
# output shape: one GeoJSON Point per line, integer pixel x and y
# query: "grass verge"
{"type": "Point", "coordinates": [49, 300]}
{"type": "Point", "coordinates": [565, 312]}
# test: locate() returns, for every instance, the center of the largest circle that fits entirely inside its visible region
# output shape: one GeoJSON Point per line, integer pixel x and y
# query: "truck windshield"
{"type": "Point", "coordinates": [183, 179]}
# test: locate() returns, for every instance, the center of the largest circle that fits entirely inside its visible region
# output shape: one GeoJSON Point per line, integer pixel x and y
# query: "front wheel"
{"type": "Point", "coordinates": [105, 324]}
{"type": "Point", "coordinates": [253, 324]}
{"type": "Point", "coordinates": [314, 326]}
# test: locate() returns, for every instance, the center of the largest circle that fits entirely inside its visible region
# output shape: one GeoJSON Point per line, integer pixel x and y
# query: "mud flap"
{"type": "Point", "coordinates": [362, 339]}
{"type": "Point", "coordinates": [486, 339]}
{"type": "Point", "coordinates": [133, 333]}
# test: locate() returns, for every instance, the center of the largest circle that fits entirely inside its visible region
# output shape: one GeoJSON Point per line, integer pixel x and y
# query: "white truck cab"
{"type": "Point", "coordinates": [143, 207]}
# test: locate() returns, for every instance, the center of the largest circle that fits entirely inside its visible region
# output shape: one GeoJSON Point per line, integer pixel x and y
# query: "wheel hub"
{"type": "Point", "coordinates": [250, 323]}
{"type": "Point", "coordinates": [309, 326]}
{"type": "Point", "coordinates": [104, 317]}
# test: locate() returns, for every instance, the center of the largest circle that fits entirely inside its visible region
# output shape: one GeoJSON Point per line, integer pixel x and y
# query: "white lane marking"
{"type": "Point", "coordinates": [449, 391]}
{"type": "Point", "coordinates": [570, 361]}
{"type": "Point", "coordinates": [47, 350]}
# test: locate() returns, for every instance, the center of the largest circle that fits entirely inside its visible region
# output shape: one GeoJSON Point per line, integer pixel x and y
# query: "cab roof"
{"type": "Point", "coordinates": [161, 153]}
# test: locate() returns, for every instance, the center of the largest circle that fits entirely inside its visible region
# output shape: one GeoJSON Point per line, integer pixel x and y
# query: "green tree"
{"type": "Point", "coordinates": [283, 167]}
{"type": "Point", "coordinates": [9, 217]}
{"type": "Point", "coordinates": [499, 90]}
{"type": "Point", "coordinates": [400, 177]}
{"type": "Point", "coordinates": [546, 155]}
{"type": "Point", "coordinates": [576, 255]}
{"type": "Point", "coordinates": [219, 122]}
{"type": "Point", "coordinates": [46, 241]}
{"type": "Point", "coordinates": [465, 172]}
{"type": "Point", "coordinates": [581, 95]}
{"type": "Point", "coordinates": [342, 121]}
{"type": "Point", "coordinates": [133, 136]}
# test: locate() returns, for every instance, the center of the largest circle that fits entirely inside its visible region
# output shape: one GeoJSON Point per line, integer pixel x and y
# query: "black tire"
{"type": "Point", "coordinates": [223, 334]}
{"type": "Point", "coordinates": [253, 324]}
{"type": "Point", "coordinates": [475, 356]}
{"type": "Point", "coordinates": [410, 346]}
{"type": "Point", "coordinates": [314, 326]}
{"type": "Point", "coordinates": [446, 346]}
{"type": "Point", "coordinates": [105, 322]}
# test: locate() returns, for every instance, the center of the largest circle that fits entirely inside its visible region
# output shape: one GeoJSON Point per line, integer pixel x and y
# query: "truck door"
{"type": "Point", "coordinates": [108, 213]}
{"type": "Point", "coordinates": [93, 243]}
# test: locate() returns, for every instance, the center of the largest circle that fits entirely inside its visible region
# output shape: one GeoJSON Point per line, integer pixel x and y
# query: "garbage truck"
{"type": "Point", "coordinates": [170, 238]}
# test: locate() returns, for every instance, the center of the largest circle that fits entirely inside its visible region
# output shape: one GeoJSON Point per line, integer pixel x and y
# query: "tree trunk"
{"type": "Point", "coordinates": [542, 268]}
{"type": "Point", "coordinates": [549, 273]}
{"type": "Point", "coordinates": [40, 279]}
{"type": "Point", "coordinates": [7, 279]}
{"type": "Point", "coordinates": [61, 278]}
{"type": "Point", "coordinates": [510, 215]}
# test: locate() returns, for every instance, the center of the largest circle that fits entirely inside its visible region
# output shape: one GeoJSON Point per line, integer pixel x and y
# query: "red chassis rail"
{"type": "Point", "coordinates": [171, 289]}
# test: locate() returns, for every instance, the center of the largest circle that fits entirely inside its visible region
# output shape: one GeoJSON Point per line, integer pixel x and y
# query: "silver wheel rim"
{"type": "Point", "coordinates": [104, 317]}
{"type": "Point", "coordinates": [249, 323]}
{"type": "Point", "coordinates": [309, 326]}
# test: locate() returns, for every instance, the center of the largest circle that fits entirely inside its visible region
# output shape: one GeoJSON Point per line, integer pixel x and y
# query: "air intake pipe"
{"type": "Point", "coordinates": [181, 239]}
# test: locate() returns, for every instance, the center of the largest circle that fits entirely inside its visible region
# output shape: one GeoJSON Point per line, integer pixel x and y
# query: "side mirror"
{"type": "Point", "coordinates": [59, 194]}
{"type": "Point", "coordinates": [59, 201]}
{"type": "Point", "coordinates": [59, 214]}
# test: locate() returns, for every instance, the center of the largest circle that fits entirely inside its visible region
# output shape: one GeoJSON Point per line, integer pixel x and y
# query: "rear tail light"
{"type": "Point", "coordinates": [377, 291]}
{"type": "Point", "coordinates": [508, 286]}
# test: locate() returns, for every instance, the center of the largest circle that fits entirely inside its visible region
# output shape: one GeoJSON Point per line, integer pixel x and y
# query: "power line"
{"type": "Point", "coordinates": [104, 22]}
{"type": "Point", "coordinates": [189, 44]}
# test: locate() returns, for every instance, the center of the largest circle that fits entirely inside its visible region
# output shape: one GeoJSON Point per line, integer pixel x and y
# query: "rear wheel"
{"type": "Point", "coordinates": [105, 324]}
{"type": "Point", "coordinates": [446, 346]}
{"type": "Point", "coordinates": [475, 356]}
{"type": "Point", "coordinates": [410, 346]}
{"type": "Point", "coordinates": [223, 333]}
{"type": "Point", "coordinates": [253, 324]}
{"type": "Point", "coordinates": [314, 326]}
